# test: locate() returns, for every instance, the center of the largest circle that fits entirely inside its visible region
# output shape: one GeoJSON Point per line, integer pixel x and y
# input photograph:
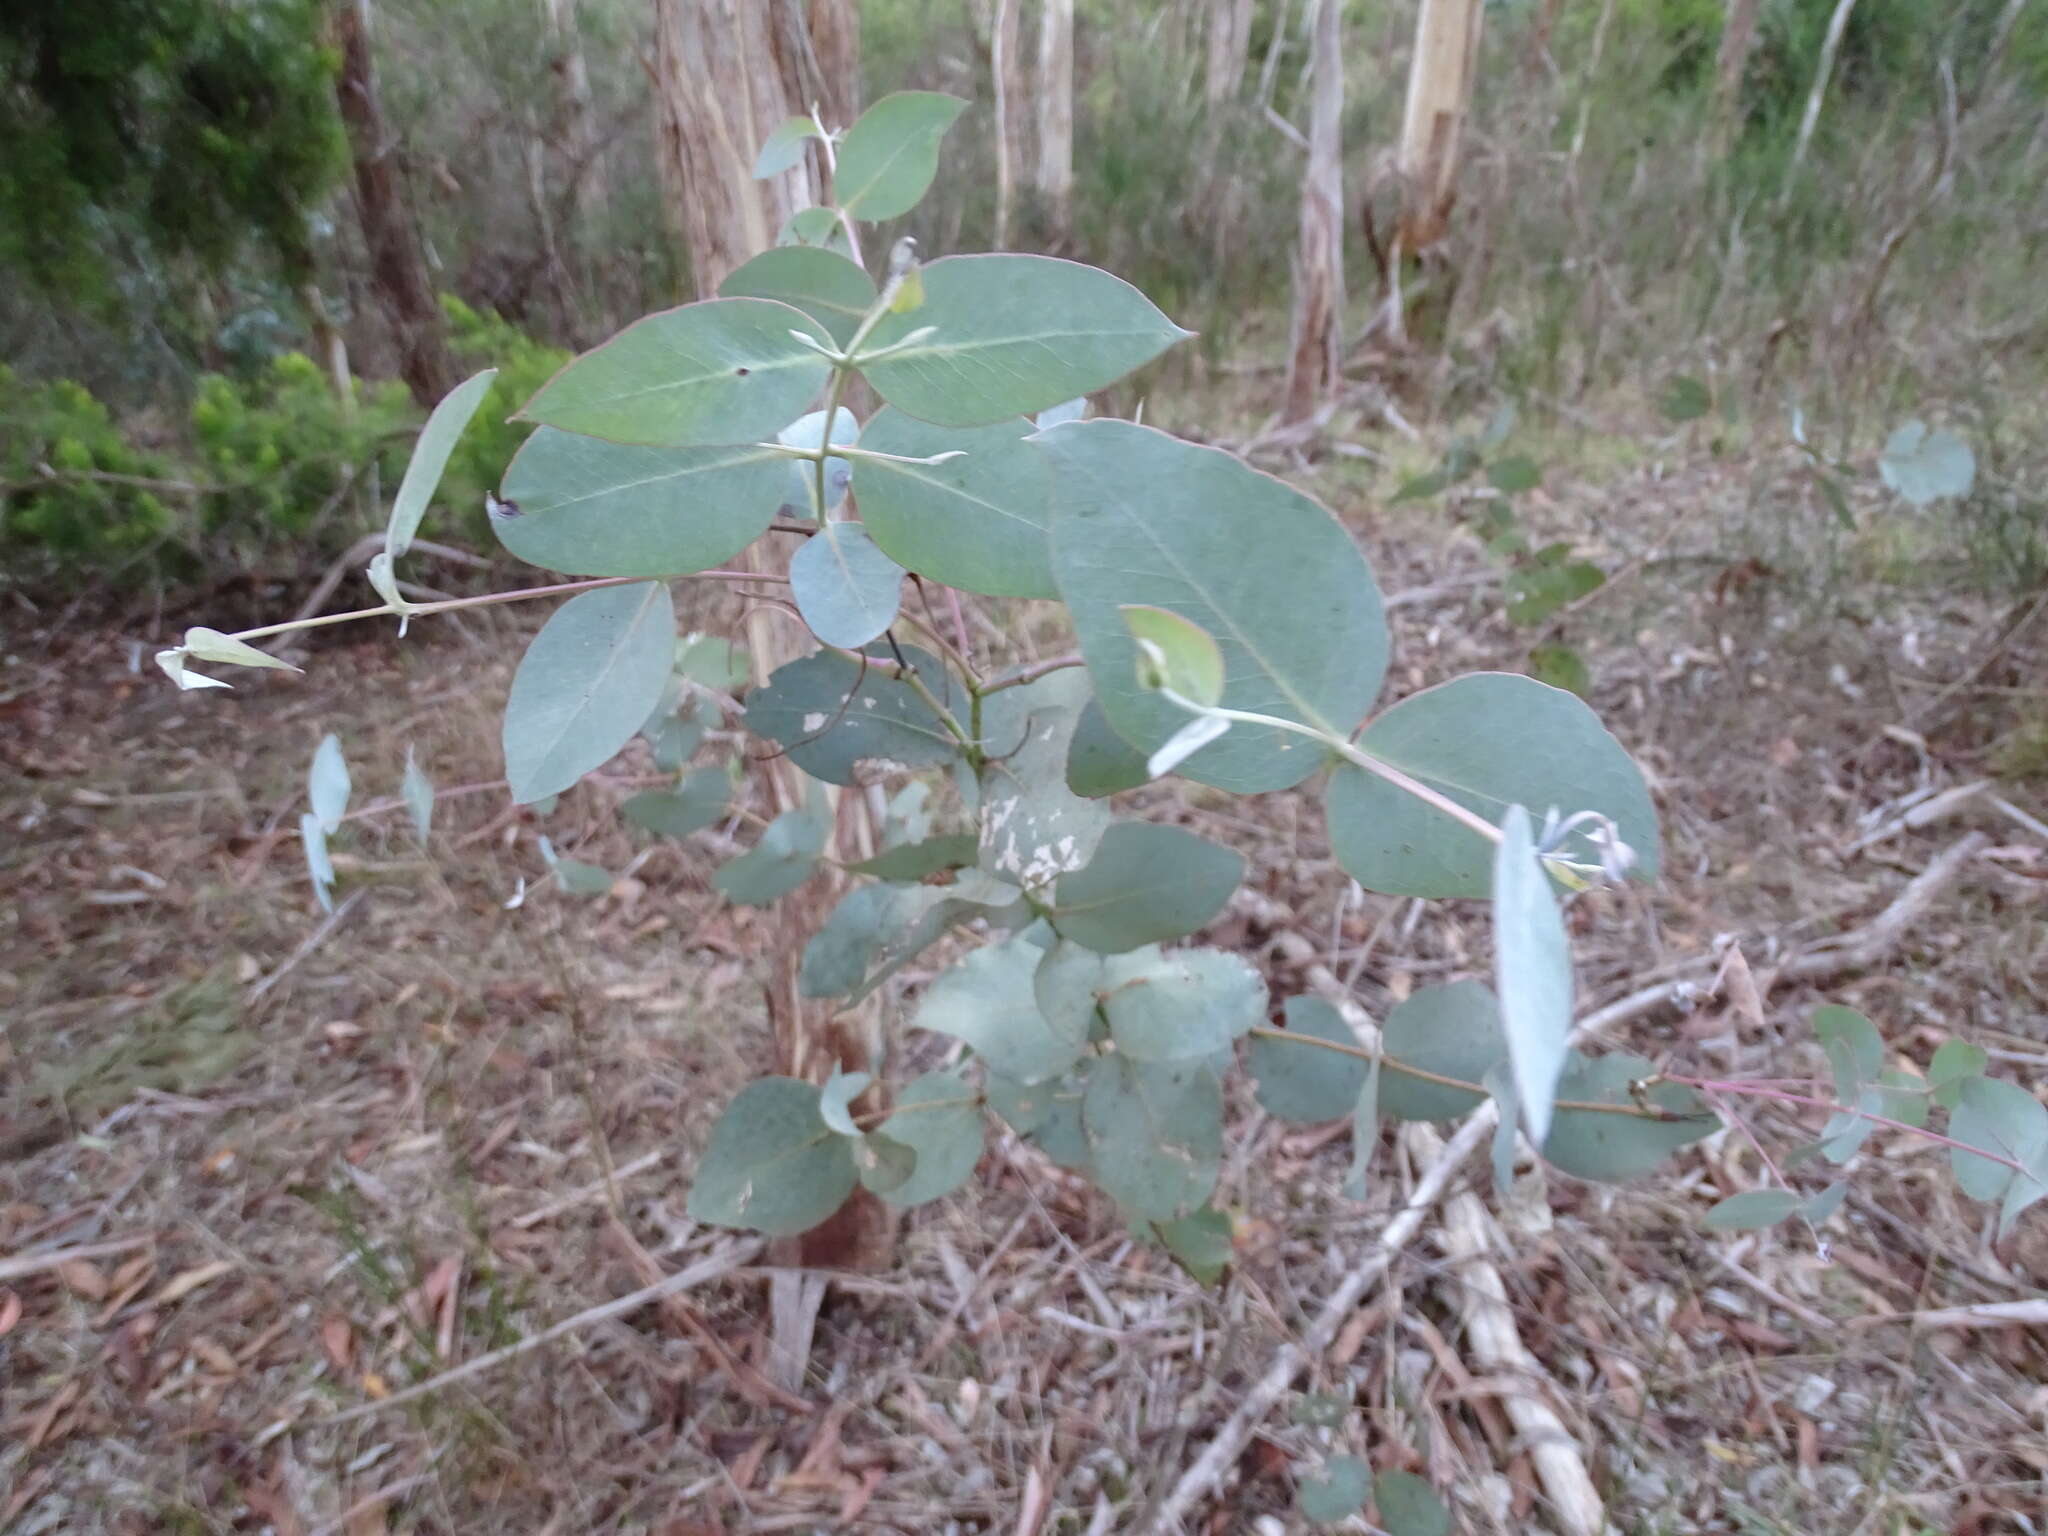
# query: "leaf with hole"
{"type": "Point", "coordinates": [1179, 1006]}
{"type": "Point", "coordinates": [977, 521]}
{"type": "Point", "coordinates": [1147, 883]}
{"type": "Point", "coordinates": [891, 153]}
{"type": "Point", "coordinates": [846, 589]}
{"type": "Point", "coordinates": [1141, 517]}
{"type": "Point", "coordinates": [586, 685]}
{"type": "Point", "coordinates": [772, 1165]}
{"type": "Point", "coordinates": [1308, 1084]}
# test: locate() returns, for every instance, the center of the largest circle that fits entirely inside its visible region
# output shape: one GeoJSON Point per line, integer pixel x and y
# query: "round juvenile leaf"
{"type": "Point", "coordinates": [1307, 1084]}
{"type": "Point", "coordinates": [891, 153]}
{"type": "Point", "coordinates": [885, 1164]}
{"type": "Point", "coordinates": [1155, 1133]}
{"type": "Point", "coordinates": [1061, 1134]}
{"type": "Point", "coordinates": [808, 432]}
{"type": "Point", "coordinates": [1011, 335]}
{"type": "Point", "coordinates": [1147, 883]}
{"type": "Point", "coordinates": [772, 1165]}
{"type": "Point", "coordinates": [723, 371]}
{"type": "Point", "coordinates": [877, 929]}
{"type": "Point", "coordinates": [977, 522]}
{"type": "Point", "coordinates": [1752, 1208]}
{"type": "Point", "coordinates": [1408, 1506]}
{"type": "Point", "coordinates": [1511, 476]}
{"type": "Point", "coordinates": [679, 812]}
{"type": "Point", "coordinates": [1100, 762]}
{"type": "Point", "coordinates": [1200, 1244]}
{"type": "Point", "coordinates": [1613, 1149]}
{"type": "Point", "coordinates": [823, 284]}
{"type": "Point", "coordinates": [430, 453]}
{"type": "Point", "coordinates": [1175, 654]}
{"type": "Point", "coordinates": [1451, 1031]}
{"type": "Point", "coordinates": [834, 716]}
{"type": "Point", "coordinates": [586, 685]}
{"type": "Point", "coordinates": [780, 862]}
{"type": "Point", "coordinates": [1954, 1063]}
{"type": "Point", "coordinates": [840, 1090]}
{"type": "Point", "coordinates": [1833, 1024]}
{"type": "Point", "coordinates": [1925, 465]}
{"type": "Point", "coordinates": [946, 1137]}
{"type": "Point", "coordinates": [1180, 1006]}
{"type": "Point", "coordinates": [1335, 1493]}
{"type": "Point", "coordinates": [846, 589]}
{"type": "Point", "coordinates": [1068, 985]}
{"type": "Point", "coordinates": [988, 1000]}
{"type": "Point", "coordinates": [1023, 1107]}
{"type": "Point", "coordinates": [2003, 1119]}
{"type": "Point", "coordinates": [1532, 969]}
{"type": "Point", "coordinates": [1488, 740]}
{"type": "Point", "coordinates": [1141, 517]}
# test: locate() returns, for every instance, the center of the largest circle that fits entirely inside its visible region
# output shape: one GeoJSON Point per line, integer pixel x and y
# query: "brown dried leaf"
{"type": "Point", "coordinates": [1735, 983]}
{"type": "Point", "coordinates": [337, 1338]}
{"type": "Point", "coordinates": [84, 1278]}
{"type": "Point", "coordinates": [10, 1312]}
{"type": "Point", "coordinates": [180, 1286]}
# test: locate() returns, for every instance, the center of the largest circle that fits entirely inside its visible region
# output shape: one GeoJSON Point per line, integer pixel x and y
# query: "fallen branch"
{"type": "Point", "coordinates": [21, 1265]}
{"type": "Point", "coordinates": [1992, 1314]}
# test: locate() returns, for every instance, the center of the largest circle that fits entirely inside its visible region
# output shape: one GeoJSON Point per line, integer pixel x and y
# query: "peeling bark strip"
{"type": "Point", "coordinates": [1433, 126]}
{"type": "Point", "coordinates": [398, 271]}
{"type": "Point", "coordinates": [1317, 351]}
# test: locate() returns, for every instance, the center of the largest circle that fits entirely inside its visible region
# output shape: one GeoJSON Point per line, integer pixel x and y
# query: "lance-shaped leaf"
{"type": "Point", "coordinates": [679, 812]}
{"type": "Point", "coordinates": [1146, 883]}
{"type": "Point", "coordinates": [1751, 1209]}
{"type": "Point", "coordinates": [319, 867]}
{"type": "Point", "coordinates": [723, 371]}
{"type": "Point", "coordinates": [211, 645]}
{"type": "Point", "coordinates": [586, 684]}
{"type": "Point", "coordinates": [836, 717]}
{"type": "Point", "coordinates": [937, 1118]}
{"type": "Point", "coordinates": [1925, 465]}
{"type": "Point", "coordinates": [773, 1165]}
{"type": "Point", "coordinates": [1487, 741]}
{"type": "Point", "coordinates": [1141, 517]}
{"type": "Point", "coordinates": [1009, 335]}
{"type": "Point", "coordinates": [987, 1000]}
{"type": "Point", "coordinates": [1305, 1083]}
{"type": "Point", "coordinates": [1450, 1031]}
{"type": "Point", "coordinates": [1188, 1004]}
{"type": "Point", "coordinates": [977, 521]}
{"type": "Point", "coordinates": [846, 589]}
{"type": "Point", "coordinates": [588, 507]}
{"type": "Point", "coordinates": [891, 153]}
{"type": "Point", "coordinates": [823, 284]}
{"type": "Point", "coordinates": [327, 783]}
{"type": "Point", "coordinates": [1532, 970]}
{"type": "Point", "coordinates": [417, 790]}
{"type": "Point", "coordinates": [910, 862]}
{"type": "Point", "coordinates": [781, 861]}
{"type": "Point", "coordinates": [1155, 1133]}
{"type": "Point", "coordinates": [1033, 828]}
{"type": "Point", "coordinates": [173, 663]}
{"type": "Point", "coordinates": [1615, 1148]}
{"type": "Point", "coordinates": [430, 453]}
{"type": "Point", "coordinates": [783, 148]}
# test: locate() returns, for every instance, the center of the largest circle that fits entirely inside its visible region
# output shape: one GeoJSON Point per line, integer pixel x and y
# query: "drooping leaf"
{"type": "Point", "coordinates": [1751, 1209]}
{"type": "Point", "coordinates": [1615, 1148]}
{"type": "Point", "coordinates": [1449, 1031]}
{"type": "Point", "coordinates": [722, 371]}
{"type": "Point", "coordinates": [1335, 1493]}
{"type": "Point", "coordinates": [978, 522]}
{"type": "Point", "coordinates": [988, 1000]}
{"type": "Point", "coordinates": [327, 783]}
{"type": "Point", "coordinates": [588, 507]}
{"type": "Point", "coordinates": [910, 862]}
{"type": "Point", "coordinates": [430, 453]}
{"type": "Point", "coordinates": [1924, 465]}
{"type": "Point", "coordinates": [1147, 883]}
{"type": "Point", "coordinates": [1141, 517]}
{"type": "Point", "coordinates": [1500, 1087]}
{"type": "Point", "coordinates": [319, 867]}
{"type": "Point", "coordinates": [1155, 1133]}
{"type": "Point", "coordinates": [1307, 1084]}
{"type": "Point", "coordinates": [891, 153]}
{"type": "Point", "coordinates": [834, 1099]}
{"type": "Point", "coordinates": [1954, 1063]}
{"type": "Point", "coordinates": [1175, 654]}
{"type": "Point", "coordinates": [1033, 828]}
{"type": "Point", "coordinates": [835, 716]}
{"type": "Point", "coordinates": [586, 684]}
{"type": "Point", "coordinates": [1408, 1506]}
{"type": "Point", "coordinates": [1010, 335]}
{"type": "Point", "coordinates": [211, 645]}
{"type": "Point", "coordinates": [784, 148]}
{"type": "Point", "coordinates": [1179, 1006]}
{"type": "Point", "coordinates": [1532, 969]}
{"type": "Point", "coordinates": [1200, 1243]}
{"type": "Point", "coordinates": [772, 1165]}
{"type": "Point", "coordinates": [781, 861]}
{"type": "Point", "coordinates": [1487, 740]}
{"type": "Point", "coordinates": [846, 589]}
{"type": "Point", "coordinates": [679, 812]}
{"type": "Point", "coordinates": [937, 1118]}
{"type": "Point", "coordinates": [417, 790]}
{"type": "Point", "coordinates": [1100, 762]}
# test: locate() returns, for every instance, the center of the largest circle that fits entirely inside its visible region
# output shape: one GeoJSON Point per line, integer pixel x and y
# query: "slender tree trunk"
{"type": "Point", "coordinates": [398, 269]}
{"type": "Point", "coordinates": [1009, 91]}
{"type": "Point", "coordinates": [1055, 178]}
{"type": "Point", "coordinates": [1738, 39]}
{"type": "Point", "coordinates": [1230, 41]}
{"type": "Point", "coordinates": [575, 119]}
{"type": "Point", "coordinates": [835, 44]}
{"type": "Point", "coordinates": [1830, 46]}
{"type": "Point", "coordinates": [1318, 339]}
{"type": "Point", "coordinates": [1433, 126]}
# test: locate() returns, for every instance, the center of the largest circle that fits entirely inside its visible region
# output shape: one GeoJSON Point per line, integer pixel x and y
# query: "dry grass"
{"type": "Point", "coordinates": [347, 1166]}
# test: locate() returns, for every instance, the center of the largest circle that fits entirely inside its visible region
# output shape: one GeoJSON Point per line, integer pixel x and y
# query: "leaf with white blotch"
{"type": "Point", "coordinates": [977, 521]}
{"type": "Point", "coordinates": [1615, 1148]}
{"type": "Point", "coordinates": [1009, 335]}
{"type": "Point", "coordinates": [1100, 762]}
{"type": "Point", "coordinates": [987, 1000]}
{"type": "Point", "coordinates": [1408, 1506]}
{"type": "Point", "coordinates": [430, 453]}
{"type": "Point", "coordinates": [1155, 1133]}
{"type": "Point", "coordinates": [1532, 970]}
{"type": "Point", "coordinates": [1487, 740]}
{"type": "Point", "coordinates": [808, 432]}
{"type": "Point", "coordinates": [722, 371]}
{"type": "Point", "coordinates": [889, 156]}
{"type": "Point", "coordinates": [911, 862]}
{"type": "Point", "coordinates": [1449, 1031]}
{"type": "Point", "coordinates": [1178, 1006]}
{"type": "Point", "coordinates": [772, 1165]}
{"type": "Point", "coordinates": [835, 716]}
{"type": "Point", "coordinates": [1141, 517]}
{"type": "Point", "coordinates": [784, 148]}
{"type": "Point", "coordinates": [937, 1118]}
{"type": "Point", "coordinates": [679, 812]}
{"type": "Point", "coordinates": [1147, 883]}
{"type": "Point", "coordinates": [417, 790]}
{"type": "Point", "coordinates": [1308, 1084]}
{"type": "Point", "coordinates": [781, 861]}
{"type": "Point", "coordinates": [1033, 828]}
{"type": "Point", "coordinates": [588, 507]}
{"type": "Point", "coordinates": [1924, 465]}
{"type": "Point", "coordinates": [847, 590]}
{"type": "Point", "coordinates": [1200, 1243]}
{"type": "Point", "coordinates": [1335, 1493]}
{"type": "Point", "coordinates": [2007, 1121]}
{"type": "Point", "coordinates": [586, 685]}
{"type": "Point", "coordinates": [327, 783]}
{"type": "Point", "coordinates": [840, 1090]}
{"type": "Point", "coordinates": [205, 644]}
{"type": "Point", "coordinates": [318, 865]}
{"type": "Point", "coordinates": [1068, 985]}
{"type": "Point", "coordinates": [1751, 1209]}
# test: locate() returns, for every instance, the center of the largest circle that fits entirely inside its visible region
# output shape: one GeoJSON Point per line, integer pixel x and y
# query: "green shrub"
{"type": "Point", "coordinates": [481, 339]}
{"type": "Point", "coordinates": [57, 443]}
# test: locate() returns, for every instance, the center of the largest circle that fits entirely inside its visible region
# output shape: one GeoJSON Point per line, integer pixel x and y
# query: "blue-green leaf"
{"type": "Point", "coordinates": [417, 790]}
{"type": "Point", "coordinates": [1307, 1084]}
{"type": "Point", "coordinates": [1925, 465]}
{"type": "Point", "coordinates": [1200, 1243]}
{"type": "Point", "coordinates": [781, 861]}
{"type": "Point", "coordinates": [1155, 1133]}
{"type": "Point", "coordinates": [1532, 968]}
{"type": "Point", "coordinates": [783, 148]}
{"type": "Point", "coordinates": [430, 453]}
{"type": "Point", "coordinates": [846, 589]}
{"type": "Point", "coordinates": [773, 1165]}
{"type": "Point", "coordinates": [891, 153]}
{"type": "Point", "coordinates": [1753, 1208]}
{"type": "Point", "coordinates": [1615, 1148]}
{"type": "Point", "coordinates": [587, 683]}
{"type": "Point", "coordinates": [319, 867]}
{"type": "Point", "coordinates": [1184, 1005]}
{"type": "Point", "coordinates": [677, 813]}
{"type": "Point", "coordinates": [978, 521]}
{"type": "Point", "coordinates": [937, 1118]}
{"type": "Point", "coordinates": [1408, 1506]}
{"type": "Point", "coordinates": [1147, 883]}
{"type": "Point", "coordinates": [327, 783]}
{"type": "Point", "coordinates": [1335, 1493]}
{"type": "Point", "coordinates": [835, 716]}
{"type": "Point", "coordinates": [988, 1000]}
